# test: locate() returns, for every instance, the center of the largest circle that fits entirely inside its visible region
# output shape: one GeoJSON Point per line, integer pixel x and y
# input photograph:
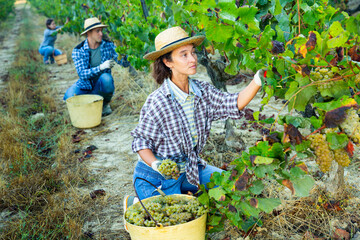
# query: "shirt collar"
{"type": "Point", "coordinates": [182, 96]}
{"type": "Point", "coordinates": [86, 44]}
{"type": "Point", "coordinates": [165, 88]}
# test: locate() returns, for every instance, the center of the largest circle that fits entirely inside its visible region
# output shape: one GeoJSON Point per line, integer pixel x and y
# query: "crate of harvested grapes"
{"type": "Point", "coordinates": [171, 217]}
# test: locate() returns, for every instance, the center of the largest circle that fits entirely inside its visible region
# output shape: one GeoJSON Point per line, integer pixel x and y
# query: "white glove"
{"type": "Point", "coordinates": [155, 165]}
{"type": "Point", "coordinates": [257, 78]}
{"type": "Point", "coordinates": [107, 64]}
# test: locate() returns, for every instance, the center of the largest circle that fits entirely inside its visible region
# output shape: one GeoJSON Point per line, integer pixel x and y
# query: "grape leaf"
{"type": "Point", "coordinates": [350, 148]}
{"type": "Point", "coordinates": [263, 160]}
{"type": "Point", "coordinates": [337, 141]}
{"type": "Point", "coordinates": [287, 183]}
{"type": "Point", "coordinates": [217, 193]}
{"type": "Point", "coordinates": [257, 187]}
{"type": "Point", "coordinates": [344, 101]}
{"type": "Point", "coordinates": [253, 202]}
{"type": "Point", "coordinates": [242, 181]}
{"type": "Point", "coordinates": [303, 185]}
{"type": "Point", "coordinates": [248, 210]}
{"type": "Point", "coordinates": [334, 117]}
{"type": "Point", "coordinates": [268, 204]}
{"type": "Point", "coordinates": [311, 43]}
{"type": "Point", "coordinates": [292, 134]}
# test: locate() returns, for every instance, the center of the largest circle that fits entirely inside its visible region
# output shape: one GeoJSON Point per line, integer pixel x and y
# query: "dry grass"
{"type": "Point", "coordinates": [39, 175]}
{"type": "Point", "coordinates": [131, 91]}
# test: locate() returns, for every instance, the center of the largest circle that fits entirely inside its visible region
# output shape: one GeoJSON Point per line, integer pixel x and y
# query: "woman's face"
{"type": "Point", "coordinates": [184, 60]}
{"type": "Point", "coordinates": [52, 25]}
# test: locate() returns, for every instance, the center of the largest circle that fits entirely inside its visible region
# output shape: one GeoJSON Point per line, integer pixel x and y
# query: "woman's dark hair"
{"type": "Point", "coordinates": [159, 70]}
{"type": "Point", "coordinates": [48, 22]}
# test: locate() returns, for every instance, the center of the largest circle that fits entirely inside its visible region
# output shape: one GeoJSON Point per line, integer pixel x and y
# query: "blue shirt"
{"type": "Point", "coordinates": [49, 37]}
{"type": "Point", "coordinates": [81, 57]}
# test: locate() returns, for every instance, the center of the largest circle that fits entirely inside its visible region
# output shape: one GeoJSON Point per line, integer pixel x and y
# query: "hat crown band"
{"type": "Point", "coordinates": [179, 40]}
{"type": "Point", "coordinates": [169, 37]}
{"type": "Point", "coordinates": [92, 25]}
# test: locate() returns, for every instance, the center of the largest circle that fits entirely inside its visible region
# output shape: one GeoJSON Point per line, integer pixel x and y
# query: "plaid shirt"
{"type": "Point", "coordinates": [164, 128]}
{"type": "Point", "coordinates": [81, 56]}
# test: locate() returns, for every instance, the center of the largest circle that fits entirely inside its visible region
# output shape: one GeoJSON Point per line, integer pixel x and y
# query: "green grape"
{"type": "Point", "coordinates": [319, 74]}
{"type": "Point", "coordinates": [357, 78]}
{"type": "Point", "coordinates": [351, 125]}
{"type": "Point", "coordinates": [324, 155]}
{"type": "Point", "coordinates": [169, 168]}
{"type": "Point", "coordinates": [169, 210]}
{"type": "Point", "coordinates": [341, 157]}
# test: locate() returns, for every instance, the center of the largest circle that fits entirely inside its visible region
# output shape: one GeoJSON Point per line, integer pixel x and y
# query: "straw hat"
{"type": "Point", "coordinates": [170, 39]}
{"type": "Point", "coordinates": [92, 23]}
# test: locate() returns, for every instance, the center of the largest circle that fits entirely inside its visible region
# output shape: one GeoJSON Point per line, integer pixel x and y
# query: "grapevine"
{"type": "Point", "coordinates": [311, 61]}
{"type": "Point", "coordinates": [169, 210]}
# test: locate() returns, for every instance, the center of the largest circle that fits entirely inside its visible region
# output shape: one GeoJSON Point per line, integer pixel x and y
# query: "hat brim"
{"type": "Point", "coordinates": [196, 40]}
{"type": "Point", "coordinates": [97, 26]}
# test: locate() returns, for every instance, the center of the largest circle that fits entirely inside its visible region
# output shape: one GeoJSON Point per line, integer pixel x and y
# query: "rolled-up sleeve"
{"type": "Point", "coordinates": [223, 105]}
{"type": "Point", "coordinates": [147, 132]}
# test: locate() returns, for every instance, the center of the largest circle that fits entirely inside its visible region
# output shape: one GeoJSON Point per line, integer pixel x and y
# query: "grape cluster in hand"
{"type": "Point", "coordinates": [169, 168]}
{"type": "Point", "coordinates": [169, 210]}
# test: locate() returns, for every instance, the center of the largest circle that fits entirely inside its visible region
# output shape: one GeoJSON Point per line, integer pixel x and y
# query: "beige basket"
{"type": "Point", "coordinates": [61, 59]}
{"type": "Point", "coordinates": [85, 110]}
{"type": "Point", "coordinates": [193, 230]}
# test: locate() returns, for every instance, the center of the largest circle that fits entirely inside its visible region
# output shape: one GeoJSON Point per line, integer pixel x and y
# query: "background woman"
{"type": "Point", "coordinates": [175, 120]}
{"type": "Point", "coordinates": [47, 48]}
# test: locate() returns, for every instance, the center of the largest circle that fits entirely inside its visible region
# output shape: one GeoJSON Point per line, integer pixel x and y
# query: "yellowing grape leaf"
{"type": "Point", "coordinates": [334, 117]}
{"type": "Point", "coordinates": [303, 50]}
{"type": "Point", "coordinates": [292, 135]}
{"type": "Point", "coordinates": [287, 183]}
{"type": "Point", "coordinates": [241, 183]}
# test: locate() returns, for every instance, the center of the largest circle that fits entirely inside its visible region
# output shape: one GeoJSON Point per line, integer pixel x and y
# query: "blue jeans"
{"type": "Point", "coordinates": [49, 51]}
{"type": "Point", "coordinates": [104, 86]}
{"type": "Point", "coordinates": [170, 186]}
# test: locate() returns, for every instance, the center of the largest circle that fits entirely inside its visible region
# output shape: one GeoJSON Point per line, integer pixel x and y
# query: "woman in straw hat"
{"type": "Point", "coordinates": [47, 47]}
{"type": "Point", "coordinates": [175, 120]}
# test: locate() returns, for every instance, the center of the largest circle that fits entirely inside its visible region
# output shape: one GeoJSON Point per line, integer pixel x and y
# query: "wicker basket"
{"type": "Point", "coordinates": [61, 59]}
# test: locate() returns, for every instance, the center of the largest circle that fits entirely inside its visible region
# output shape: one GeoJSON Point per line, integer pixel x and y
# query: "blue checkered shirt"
{"type": "Point", "coordinates": [164, 128]}
{"type": "Point", "coordinates": [81, 57]}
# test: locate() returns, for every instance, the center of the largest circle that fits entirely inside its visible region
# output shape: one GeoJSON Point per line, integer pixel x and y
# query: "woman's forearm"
{"type": "Point", "coordinates": [247, 94]}
{"type": "Point", "coordinates": [147, 155]}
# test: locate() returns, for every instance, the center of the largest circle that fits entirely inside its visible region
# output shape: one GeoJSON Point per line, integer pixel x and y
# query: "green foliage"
{"type": "Point", "coordinates": [6, 7]}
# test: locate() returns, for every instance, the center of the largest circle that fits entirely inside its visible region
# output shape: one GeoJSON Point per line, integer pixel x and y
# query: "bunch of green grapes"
{"type": "Point", "coordinates": [169, 210]}
{"type": "Point", "coordinates": [357, 78]}
{"type": "Point", "coordinates": [169, 168]}
{"type": "Point", "coordinates": [324, 155]}
{"type": "Point", "coordinates": [341, 157]}
{"type": "Point", "coordinates": [319, 74]}
{"type": "Point", "coordinates": [351, 125]}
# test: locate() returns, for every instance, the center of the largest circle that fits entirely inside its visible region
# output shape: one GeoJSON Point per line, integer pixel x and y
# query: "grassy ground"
{"type": "Point", "coordinates": [37, 171]}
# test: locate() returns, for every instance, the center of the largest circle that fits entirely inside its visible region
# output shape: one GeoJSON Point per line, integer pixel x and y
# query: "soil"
{"type": "Point", "coordinates": [112, 163]}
